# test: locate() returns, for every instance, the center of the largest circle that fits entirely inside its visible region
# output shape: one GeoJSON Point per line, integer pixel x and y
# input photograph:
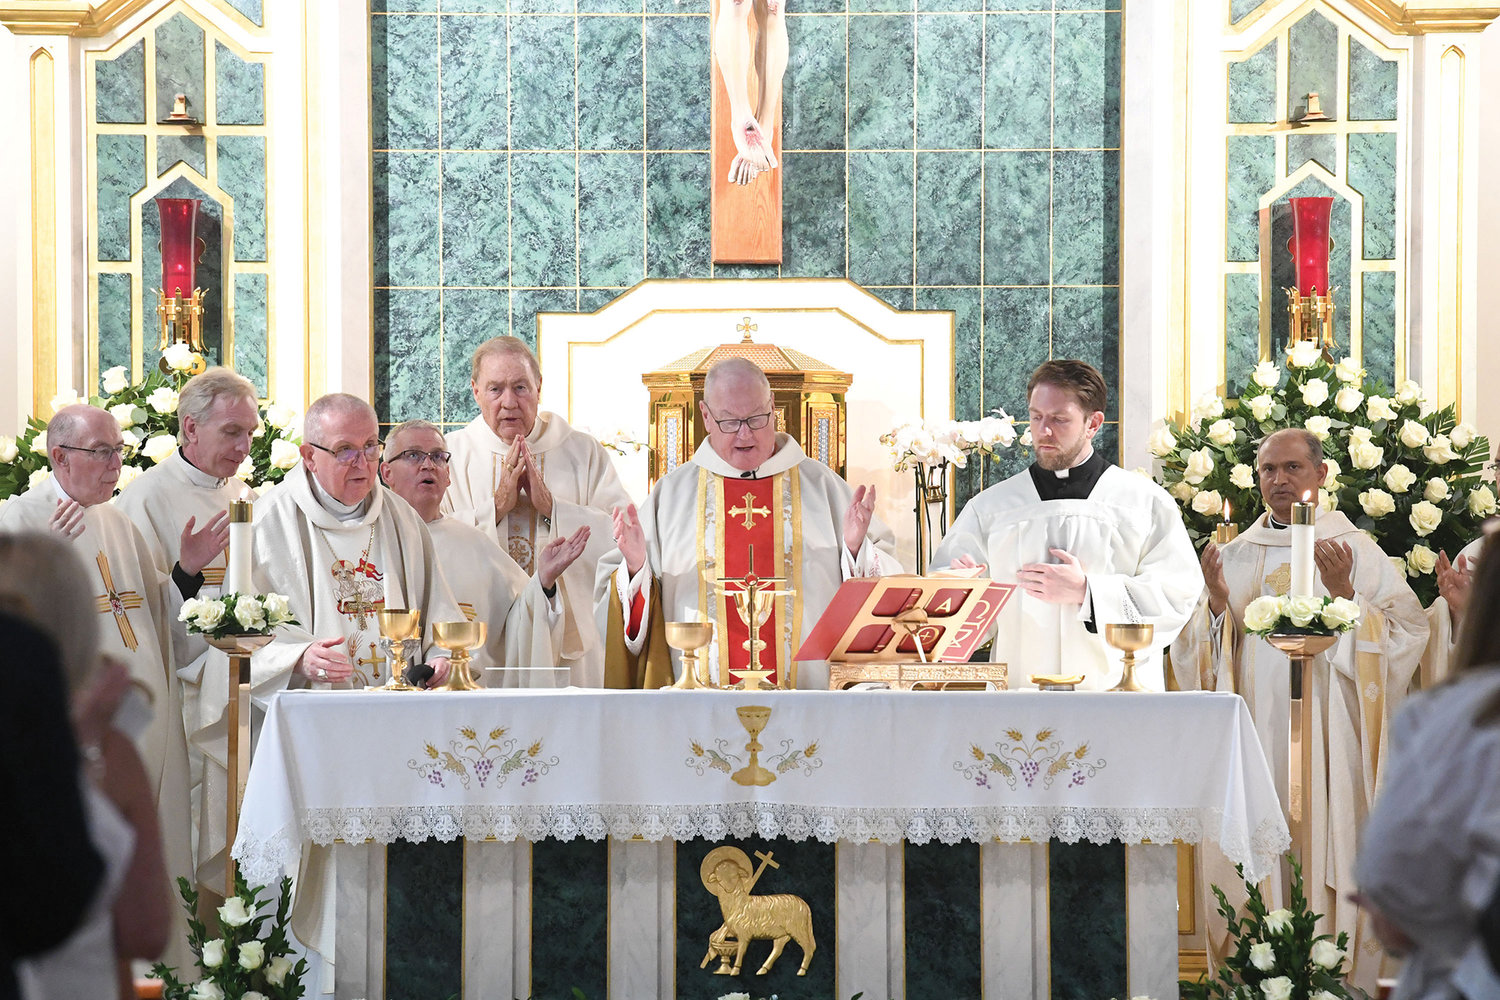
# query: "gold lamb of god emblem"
{"type": "Point", "coordinates": [727, 873]}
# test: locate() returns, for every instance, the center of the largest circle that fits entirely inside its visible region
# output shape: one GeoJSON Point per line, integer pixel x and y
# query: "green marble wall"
{"type": "Point", "coordinates": [424, 919]}
{"type": "Point", "coordinates": [944, 943]}
{"type": "Point", "coordinates": [569, 918]}
{"type": "Point", "coordinates": [548, 154]}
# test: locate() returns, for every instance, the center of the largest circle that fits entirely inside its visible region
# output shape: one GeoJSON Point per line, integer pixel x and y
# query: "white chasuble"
{"type": "Point", "coordinates": [700, 522]}
{"type": "Point", "coordinates": [1355, 688]}
{"type": "Point", "coordinates": [1136, 556]}
{"type": "Point", "coordinates": [584, 487]}
{"type": "Point", "coordinates": [490, 587]}
{"type": "Point", "coordinates": [1442, 634]}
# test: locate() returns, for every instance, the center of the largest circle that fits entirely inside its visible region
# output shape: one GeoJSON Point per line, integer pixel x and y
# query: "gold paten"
{"type": "Point", "coordinates": [1128, 639]}
{"type": "Point", "coordinates": [398, 626]}
{"type": "Point", "coordinates": [727, 873]}
{"type": "Point", "coordinates": [754, 719]}
{"type": "Point", "coordinates": [458, 638]}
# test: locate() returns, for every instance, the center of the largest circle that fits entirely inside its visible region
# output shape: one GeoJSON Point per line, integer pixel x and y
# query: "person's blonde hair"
{"type": "Point", "coordinates": [202, 391]}
{"type": "Point", "coordinates": [495, 346]}
{"type": "Point", "coordinates": [43, 581]}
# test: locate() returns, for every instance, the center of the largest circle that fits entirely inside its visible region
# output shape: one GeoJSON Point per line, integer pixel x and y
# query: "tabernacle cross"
{"type": "Point", "coordinates": [117, 603]}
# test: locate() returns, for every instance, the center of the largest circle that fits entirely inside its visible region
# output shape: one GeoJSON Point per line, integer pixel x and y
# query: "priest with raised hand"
{"type": "Point", "coordinates": [526, 478]}
{"type": "Point", "coordinates": [1087, 544]}
{"type": "Point", "coordinates": [746, 487]}
{"type": "Point", "coordinates": [1355, 686]}
{"type": "Point", "coordinates": [181, 506]}
{"type": "Point", "coordinates": [523, 614]}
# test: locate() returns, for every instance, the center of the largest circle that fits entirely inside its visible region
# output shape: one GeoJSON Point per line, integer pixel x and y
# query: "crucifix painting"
{"type": "Point", "coordinates": [749, 57]}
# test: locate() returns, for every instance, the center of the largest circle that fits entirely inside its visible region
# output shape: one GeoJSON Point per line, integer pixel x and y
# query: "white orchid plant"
{"type": "Point", "coordinates": [146, 412]}
{"type": "Point", "coordinates": [239, 964]}
{"type": "Point", "coordinates": [933, 443]}
{"type": "Point", "coordinates": [1305, 615]}
{"type": "Point", "coordinates": [236, 614]}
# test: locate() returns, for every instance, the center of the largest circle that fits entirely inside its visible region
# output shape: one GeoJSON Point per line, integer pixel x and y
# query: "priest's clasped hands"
{"type": "Point", "coordinates": [1062, 582]}
{"type": "Point", "coordinates": [519, 474]}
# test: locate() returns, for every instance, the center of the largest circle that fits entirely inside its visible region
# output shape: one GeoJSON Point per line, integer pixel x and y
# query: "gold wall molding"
{"type": "Point", "coordinates": [1419, 17]}
{"type": "Point", "coordinates": [1452, 83]}
{"type": "Point", "coordinates": [43, 230]}
{"type": "Point", "coordinates": [86, 19]}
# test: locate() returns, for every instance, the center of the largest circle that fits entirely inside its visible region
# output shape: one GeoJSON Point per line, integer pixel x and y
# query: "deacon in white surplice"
{"type": "Point", "coordinates": [747, 486]}
{"type": "Point", "coordinates": [1355, 686]}
{"type": "Point", "coordinates": [526, 478]}
{"type": "Point", "coordinates": [524, 614]}
{"type": "Point", "coordinates": [181, 506]}
{"type": "Point", "coordinates": [1088, 544]}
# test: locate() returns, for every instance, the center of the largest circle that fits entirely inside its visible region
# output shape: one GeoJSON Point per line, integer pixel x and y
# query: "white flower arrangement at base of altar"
{"type": "Point", "coordinates": [236, 614]}
{"type": "Point", "coordinates": [239, 965]}
{"type": "Point", "coordinates": [1306, 615]}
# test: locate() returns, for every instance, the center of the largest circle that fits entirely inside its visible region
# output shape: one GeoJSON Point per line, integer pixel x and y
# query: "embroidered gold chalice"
{"type": "Point", "coordinates": [1128, 639]}
{"type": "Point", "coordinates": [688, 638]}
{"type": "Point", "coordinates": [754, 719]}
{"type": "Point", "coordinates": [458, 638]}
{"type": "Point", "coordinates": [398, 626]}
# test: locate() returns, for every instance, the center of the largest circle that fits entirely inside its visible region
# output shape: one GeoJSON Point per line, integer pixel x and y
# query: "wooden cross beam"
{"type": "Point", "coordinates": [746, 218]}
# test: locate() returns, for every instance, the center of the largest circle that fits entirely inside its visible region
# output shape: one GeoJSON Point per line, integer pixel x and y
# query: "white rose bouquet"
{"type": "Point", "coordinates": [1317, 615]}
{"type": "Point", "coordinates": [240, 963]}
{"type": "Point", "coordinates": [1275, 955]}
{"type": "Point", "coordinates": [235, 614]}
{"type": "Point", "coordinates": [1408, 475]}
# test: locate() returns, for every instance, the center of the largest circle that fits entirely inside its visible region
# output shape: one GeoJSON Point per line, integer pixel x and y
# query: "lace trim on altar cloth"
{"type": "Point", "coordinates": [264, 861]}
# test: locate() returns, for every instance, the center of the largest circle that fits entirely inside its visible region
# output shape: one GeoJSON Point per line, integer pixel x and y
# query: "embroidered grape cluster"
{"type": "Point", "coordinates": [983, 780]}
{"type": "Point", "coordinates": [529, 776]}
{"type": "Point", "coordinates": [1077, 779]}
{"type": "Point", "coordinates": [482, 769]}
{"type": "Point", "coordinates": [1028, 771]}
{"type": "Point", "coordinates": [436, 777]}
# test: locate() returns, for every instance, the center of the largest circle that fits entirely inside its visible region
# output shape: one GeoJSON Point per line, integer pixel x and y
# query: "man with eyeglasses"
{"type": "Point", "coordinates": [524, 614]}
{"type": "Point", "coordinates": [747, 487]}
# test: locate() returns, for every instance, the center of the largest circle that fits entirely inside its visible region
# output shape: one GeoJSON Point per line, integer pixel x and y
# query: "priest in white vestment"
{"type": "Point", "coordinates": [1355, 686]}
{"type": "Point", "coordinates": [1088, 544]}
{"type": "Point", "coordinates": [523, 614]}
{"type": "Point", "coordinates": [526, 478]}
{"type": "Point", "coordinates": [85, 447]}
{"type": "Point", "coordinates": [1446, 613]}
{"type": "Point", "coordinates": [747, 488]}
{"type": "Point", "coordinates": [181, 506]}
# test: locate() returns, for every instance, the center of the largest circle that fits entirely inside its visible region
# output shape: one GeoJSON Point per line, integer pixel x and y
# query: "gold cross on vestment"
{"type": "Point", "coordinates": [117, 603]}
{"type": "Point", "coordinates": [372, 660]}
{"type": "Point", "coordinates": [1280, 581]}
{"type": "Point", "coordinates": [749, 510]}
{"type": "Point", "coordinates": [359, 607]}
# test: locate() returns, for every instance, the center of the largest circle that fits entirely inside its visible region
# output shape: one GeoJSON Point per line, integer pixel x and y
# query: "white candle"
{"type": "Point", "coordinates": [241, 549]}
{"type": "Point", "coordinates": [1303, 537]}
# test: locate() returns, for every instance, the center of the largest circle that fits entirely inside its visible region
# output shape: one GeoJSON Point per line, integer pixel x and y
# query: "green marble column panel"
{"type": "Point", "coordinates": [882, 99]}
{"type": "Point", "coordinates": [251, 344]}
{"type": "Point", "coordinates": [611, 218]}
{"type": "Point", "coordinates": [121, 172]}
{"type": "Point", "coordinates": [543, 210]}
{"type": "Point", "coordinates": [813, 96]}
{"type": "Point", "coordinates": [406, 351]}
{"type": "Point", "coordinates": [1322, 148]}
{"type": "Point", "coordinates": [1018, 217]}
{"type": "Point", "coordinates": [120, 87]}
{"type": "Point", "coordinates": [1372, 172]}
{"type": "Point", "coordinates": [677, 218]}
{"type": "Point", "coordinates": [542, 91]}
{"type": "Point", "coordinates": [948, 233]}
{"type": "Point", "coordinates": [967, 305]}
{"type": "Point", "coordinates": [404, 82]}
{"type": "Point", "coordinates": [475, 219]}
{"type": "Point", "coordinates": [1241, 328]}
{"type": "Point", "coordinates": [1379, 329]}
{"type": "Point", "coordinates": [115, 317]}
{"type": "Point", "coordinates": [1017, 338]}
{"type": "Point", "coordinates": [1373, 84]}
{"type": "Point", "coordinates": [1018, 81]}
{"type": "Point", "coordinates": [410, 6]}
{"type": "Point", "coordinates": [1251, 172]}
{"type": "Point", "coordinates": [250, 8]}
{"type": "Point", "coordinates": [180, 69]}
{"type": "Point", "coordinates": [635, 7]}
{"type": "Point", "coordinates": [814, 203]}
{"type": "Point", "coordinates": [1241, 9]}
{"type": "Point", "coordinates": [405, 206]}
{"type": "Point", "coordinates": [239, 88]}
{"type": "Point", "coordinates": [610, 76]}
{"type": "Point", "coordinates": [424, 919]}
{"type": "Point", "coordinates": [1312, 63]}
{"type": "Point", "coordinates": [1085, 217]}
{"type": "Point", "coordinates": [242, 175]}
{"type": "Point", "coordinates": [949, 106]}
{"type": "Point", "coordinates": [1086, 890]}
{"type": "Point", "coordinates": [569, 918]}
{"type": "Point", "coordinates": [677, 81]}
{"type": "Point", "coordinates": [880, 218]}
{"type": "Point", "coordinates": [209, 274]}
{"type": "Point", "coordinates": [476, 91]}
{"type": "Point", "coordinates": [174, 149]}
{"type": "Point", "coordinates": [1086, 81]}
{"type": "Point", "coordinates": [944, 947]}
{"type": "Point", "coordinates": [1086, 326]}
{"type": "Point", "coordinates": [525, 303]}
{"type": "Point", "coordinates": [1252, 86]}
{"type": "Point", "coordinates": [470, 317]}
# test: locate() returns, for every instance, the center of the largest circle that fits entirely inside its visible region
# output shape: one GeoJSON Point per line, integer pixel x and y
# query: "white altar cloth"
{"type": "Point", "coordinates": [860, 766]}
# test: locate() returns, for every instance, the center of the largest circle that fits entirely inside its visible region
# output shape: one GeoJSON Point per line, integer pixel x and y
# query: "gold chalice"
{"type": "Point", "coordinates": [754, 719]}
{"type": "Point", "coordinates": [689, 637]}
{"type": "Point", "coordinates": [1128, 639]}
{"type": "Point", "coordinates": [397, 627]}
{"type": "Point", "coordinates": [458, 638]}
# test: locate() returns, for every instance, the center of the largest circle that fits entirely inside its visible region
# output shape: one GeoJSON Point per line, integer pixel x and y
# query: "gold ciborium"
{"type": "Point", "coordinates": [398, 626]}
{"type": "Point", "coordinates": [754, 719]}
{"type": "Point", "coordinates": [689, 637]}
{"type": "Point", "coordinates": [458, 638]}
{"type": "Point", "coordinates": [1128, 639]}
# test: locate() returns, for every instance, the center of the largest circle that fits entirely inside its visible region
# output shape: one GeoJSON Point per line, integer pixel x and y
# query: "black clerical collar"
{"type": "Point", "coordinates": [1272, 522]}
{"type": "Point", "coordinates": [1076, 485]}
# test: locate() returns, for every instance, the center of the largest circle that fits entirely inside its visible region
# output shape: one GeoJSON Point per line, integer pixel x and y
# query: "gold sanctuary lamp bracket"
{"type": "Point", "coordinates": [398, 626]}
{"type": "Point", "coordinates": [754, 602]}
{"type": "Point", "coordinates": [910, 632]}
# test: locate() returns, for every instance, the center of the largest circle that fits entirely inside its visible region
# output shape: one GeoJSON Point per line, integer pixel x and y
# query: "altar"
{"type": "Point", "coordinates": [524, 843]}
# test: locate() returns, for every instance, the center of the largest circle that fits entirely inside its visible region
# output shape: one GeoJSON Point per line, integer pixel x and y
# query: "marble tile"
{"type": "Point", "coordinates": [1241, 329]}
{"type": "Point", "coordinates": [1322, 148]}
{"type": "Point", "coordinates": [611, 219]}
{"type": "Point", "coordinates": [1252, 86]}
{"type": "Point", "coordinates": [406, 6]}
{"type": "Point", "coordinates": [813, 95]}
{"type": "Point", "coordinates": [967, 306]}
{"type": "Point", "coordinates": [810, 7]}
{"type": "Point", "coordinates": [115, 318]}
{"type": "Point", "coordinates": [476, 219]}
{"type": "Point", "coordinates": [1086, 326]}
{"type": "Point", "coordinates": [594, 299]}
{"type": "Point", "coordinates": [1107, 442]}
{"type": "Point", "coordinates": [121, 172]}
{"type": "Point", "coordinates": [1372, 172]}
{"type": "Point", "coordinates": [251, 9]}
{"type": "Point", "coordinates": [525, 303]}
{"type": "Point", "coordinates": [1085, 218]}
{"type": "Point", "coordinates": [1252, 171]}
{"type": "Point", "coordinates": [424, 919]}
{"type": "Point", "coordinates": [1379, 347]}
{"type": "Point", "coordinates": [942, 920]}
{"type": "Point", "coordinates": [1374, 84]}
{"type": "Point", "coordinates": [751, 271]}
{"type": "Point", "coordinates": [1089, 5]}
{"type": "Point", "coordinates": [610, 77]}
{"type": "Point", "coordinates": [470, 317]}
{"type": "Point", "coordinates": [569, 905]}
{"type": "Point", "coordinates": [209, 274]}
{"type": "Point", "coordinates": [405, 209]}
{"type": "Point", "coordinates": [881, 95]}
{"type": "Point", "coordinates": [476, 93]}
{"type": "Point", "coordinates": [1017, 338]}
{"type": "Point", "coordinates": [1018, 81]}
{"type": "Point", "coordinates": [542, 7]}
{"type": "Point", "coordinates": [179, 66]}
{"type": "Point", "coordinates": [251, 304]}
{"type": "Point", "coordinates": [880, 218]}
{"type": "Point", "coordinates": [239, 87]}
{"type": "Point", "coordinates": [463, 6]}
{"type": "Point", "coordinates": [543, 209]}
{"type": "Point", "coordinates": [677, 215]}
{"type": "Point", "coordinates": [1025, 6]}
{"type": "Point", "coordinates": [404, 82]}
{"type": "Point", "coordinates": [406, 351]}
{"type": "Point", "coordinates": [1017, 218]}
{"type": "Point", "coordinates": [120, 86]}
{"type": "Point", "coordinates": [677, 82]}
{"type": "Point", "coordinates": [1312, 63]}
{"type": "Point", "coordinates": [242, 175]}
{"type": "Point", "coordinates": [953, 6]}
{"type": "Point", "coordinates": [1086, 88]}
{"type": "Point", "coordinates": [948, 232]}
{"type": "Point", "coordinates": [1241, 9]}
{"type": "Point", "coordinates": [897, 297]}
{"type": "Point", "coordinates": [1086, 889]}
{"type": "Point", "coordinates": [541, 83]}
{"type": "Point", "coordinates": [685, 7]}
{"type": "Point", "coordinates": [882, 6]}
{"type": "Point", "coordinates": [814, 205]}
{"type": "Point", "coordinates": [949, 106]}
{"type": "Point", "coordinates": [174, 149]}
{"type": "Point", "coordinates": [635, 7]}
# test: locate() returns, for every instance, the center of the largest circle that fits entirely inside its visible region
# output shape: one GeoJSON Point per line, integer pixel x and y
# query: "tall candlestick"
{"type": "Point", "coordinates": [1303, 537]}
{"type": "Point", "coordinates": [241, 549]}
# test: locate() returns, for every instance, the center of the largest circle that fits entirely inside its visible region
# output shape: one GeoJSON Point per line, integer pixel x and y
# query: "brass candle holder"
{"type": "Point", "coordinates": [1225, 532]}
{"type": "Point", "coordinates": [237, 721]}
{"type": "Point", "coordinates": [754, 719]}
{"type": "Point", "coordinates": [1128, 639]}
{"type": "Point", "coordinates": [458, 638]}
{"type": "Point", "coordinates": [398, 626]}
{"type": "Point", "coordinates": [1301, 649]}
{"type": "Point", "coordinates": [688, 638]}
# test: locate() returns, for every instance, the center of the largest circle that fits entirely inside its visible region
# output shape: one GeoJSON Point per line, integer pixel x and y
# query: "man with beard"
{"type": "Point", "coordinates": [1087, 544]}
